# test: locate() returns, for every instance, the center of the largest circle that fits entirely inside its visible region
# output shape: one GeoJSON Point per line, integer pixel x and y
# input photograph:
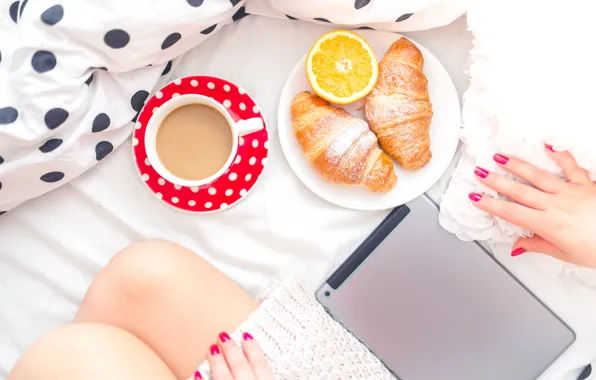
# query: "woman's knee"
{"type": "Point", "coordinates": [90, 351]}
{"type": "Point", "coordinates": [170, 298]}
{"type": "Point", "coordinates": [144, 270]}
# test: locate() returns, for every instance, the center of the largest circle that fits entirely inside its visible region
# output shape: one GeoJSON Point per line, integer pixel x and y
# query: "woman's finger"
{"type": "Point", "coordinates": [573, 172]}
{"type": "Point", "coordinates": [237, 361]}
{"type": "Point", "coordinates": [517, 214]}
{"type": "Point", "coordinates": [538, 244]}
{"type": "Point", "coordinates": [256, 358]}
{"type": "Point", "coordinates": [541, 179]}
{"type": "Point", "coordinates": [218, 364]}
{"type": "Point", "coordinates": [515, 190]}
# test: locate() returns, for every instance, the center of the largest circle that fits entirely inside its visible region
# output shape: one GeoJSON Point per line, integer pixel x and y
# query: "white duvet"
{"type": "Point", "coordinates": [53, 246]}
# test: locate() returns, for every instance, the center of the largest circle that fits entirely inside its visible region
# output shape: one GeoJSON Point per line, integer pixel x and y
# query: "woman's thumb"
{"type": "Point", "coordinates": [537, 243]}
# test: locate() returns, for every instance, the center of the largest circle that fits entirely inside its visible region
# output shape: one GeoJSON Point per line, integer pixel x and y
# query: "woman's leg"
{"type": "Point", "coordinates": [168, 297]}
{"type": "Point", "coordinates": [91, 352]}
{"type": "Point", "coordinates": [151, 313]}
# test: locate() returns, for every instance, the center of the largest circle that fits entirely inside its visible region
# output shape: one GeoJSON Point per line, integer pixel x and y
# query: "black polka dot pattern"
{"type": "Point", "coordinates": [100, 123]}
{"type": "Point", "coordinates": [291, 18]}
{"type": "Point", "coordinates": [14, 11]}
{"type": "Point", "coordinates": [359, 4]}
{"type": "Point", "coordinates": [8, 115]}
{"type": "Point", "coordinates": [138, 100]}
{"type": "Point", "coordinates": [52, 177]}
{"type": "Point", "coordinates": [55, 117]}
{"type": "Point", "coordinates": [234, 2]}
{"type": "Point", "coordinates": [404, 17]}
{"type": "Point", "coordinates": [1, 160]}
{"type": "Point", "coordinates": [585, 373]}
{"type": "Point", "coordinates": [43, 61]}
{"type": "Point", "coordinates": [89, 80]}
{"type": "Point", "coordinates": [195, 3]}
{"type": "Point", "coordinates": [167, 69]}
{"type": "Point", "coordinates": [240, 14]}
{"type": "Point", "coordinates": [50, 145]}
{"type": "Point", "coordinates": [321, 19]}
{"type": "Point", "coordinates": [53, 15]}
{"type": "Point", "coordinates": [116, 38]}
{"type": "Point", "coordinates": [365, 28]}
{"type": "Point", "coordinates": [170, 40]}
{"type": "Point", "coordinates": [2, 213]}
{"type": "Point", "coordinates": [134, 119]}
{"type": "Point", "coordinates": [209, 29]}
{"type": "Point", "coordinates": [0, 185]}
{"type": "Point", "coordinates": [102, 149]}
{"type": "Point", "coordinates": [22, 8]}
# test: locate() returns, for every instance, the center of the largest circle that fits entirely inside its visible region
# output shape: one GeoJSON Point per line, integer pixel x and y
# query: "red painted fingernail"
{"type": "Point", "coordinates": [549, 147]}
{"type": "Point", "coordinates": [517, 251]}
{"type": "Point", "coordinates": [224, 337]}
{"type": "Point", "coordinates": [475, 197]}
{"type": "Point", "coordinates": [198, 375]}
{"type": "Point", "coordinates": [482, 173]}
{"type": "Point", "coordinates": [247, 336]}
{"type": "Point", "coordinates": [214, 349]}
{"type": "Point", "coordinates": [500, 159]}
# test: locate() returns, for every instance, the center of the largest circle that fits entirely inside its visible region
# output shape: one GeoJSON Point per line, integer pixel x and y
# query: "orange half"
{"type": "Point", "coordinates": [341, 67]}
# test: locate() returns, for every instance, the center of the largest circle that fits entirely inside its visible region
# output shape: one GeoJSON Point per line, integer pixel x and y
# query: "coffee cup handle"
{"type": "Point", "coordinates": [244, 127]}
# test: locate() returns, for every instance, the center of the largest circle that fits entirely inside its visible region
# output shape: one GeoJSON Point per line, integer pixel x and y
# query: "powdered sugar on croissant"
{"type": "Point", "coordinates": [398, 109]}
{"type": "Point", "coordinates": [340, 147]}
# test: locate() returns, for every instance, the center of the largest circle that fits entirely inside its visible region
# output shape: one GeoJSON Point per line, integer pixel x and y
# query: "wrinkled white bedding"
{"type": "Point", "coordinates": [52, 247]}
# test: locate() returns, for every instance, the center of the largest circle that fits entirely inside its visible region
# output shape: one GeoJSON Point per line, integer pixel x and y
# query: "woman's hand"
{"type": "Point", "coordinates": [229, 362]}
{"type": "Point", "coordinates": [561, 214]}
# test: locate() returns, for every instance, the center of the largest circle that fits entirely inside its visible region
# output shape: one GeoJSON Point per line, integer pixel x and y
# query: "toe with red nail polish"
{"type": "Point", "coordinates": [214, 349]}
{"type": "Point", "coordinates": [475, 197]}
{"type": "Point", "coordinates": [247, 336]}
{"type": "Point", "coordinates": [224, 337]}
{"type": "Point", "coordinates": [549, 147]}
{"type": "Point", "coordinates": [198, 376]}
{"type": "Point", "coordinates": [480, 172]}
{"type": "Point", "coordinates": [517, 252]}
{"type": "Point", "coordinates": [500, 159]}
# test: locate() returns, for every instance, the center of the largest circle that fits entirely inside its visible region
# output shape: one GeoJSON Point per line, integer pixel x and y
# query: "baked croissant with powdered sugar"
{"type": "Point", "coordinates": [398, 109]}
{"type": "Point", "coordinates": [340, 147]}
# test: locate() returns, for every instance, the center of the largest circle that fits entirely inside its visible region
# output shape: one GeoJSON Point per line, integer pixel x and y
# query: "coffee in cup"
{"type": "Point", "coordinates": [191, 140]}
{"type": "Point", "coordinates": [194, 142]}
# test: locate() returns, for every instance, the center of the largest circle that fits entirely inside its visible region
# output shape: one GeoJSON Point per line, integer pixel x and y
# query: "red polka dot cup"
{"type": "Point", "coordinates": [238, 128]}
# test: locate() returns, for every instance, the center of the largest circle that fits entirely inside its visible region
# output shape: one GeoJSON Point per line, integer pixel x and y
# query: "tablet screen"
{"type": "Point", "coordinates": [431, 306]}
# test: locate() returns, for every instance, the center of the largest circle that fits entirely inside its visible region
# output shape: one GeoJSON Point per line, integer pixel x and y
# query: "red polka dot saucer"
{"type": "Point", "coordinates": [231, 185]}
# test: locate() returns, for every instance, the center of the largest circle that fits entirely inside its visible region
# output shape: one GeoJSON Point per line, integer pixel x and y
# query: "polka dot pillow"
{"type": "Point", "coordinates": [64, 104]}
{"type": "Point", "coordinates": [388, 15]}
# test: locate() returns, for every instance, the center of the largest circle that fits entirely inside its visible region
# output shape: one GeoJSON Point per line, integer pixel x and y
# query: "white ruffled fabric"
{"type": "Point", "coordinates": [531, 82]}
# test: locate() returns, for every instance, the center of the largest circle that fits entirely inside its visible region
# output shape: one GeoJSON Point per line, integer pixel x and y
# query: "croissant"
{"type": "Point", "coordinates": [398, 109]}
{"type": "Point", "coordinates": [341, 148]}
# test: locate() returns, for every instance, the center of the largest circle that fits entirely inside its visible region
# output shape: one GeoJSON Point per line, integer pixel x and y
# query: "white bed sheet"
{"type": "Point", "coordinates": [52, 247]}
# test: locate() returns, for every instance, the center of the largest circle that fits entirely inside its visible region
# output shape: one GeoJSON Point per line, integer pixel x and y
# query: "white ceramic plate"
{"type": "Point", "coordinates": [444, 131]}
